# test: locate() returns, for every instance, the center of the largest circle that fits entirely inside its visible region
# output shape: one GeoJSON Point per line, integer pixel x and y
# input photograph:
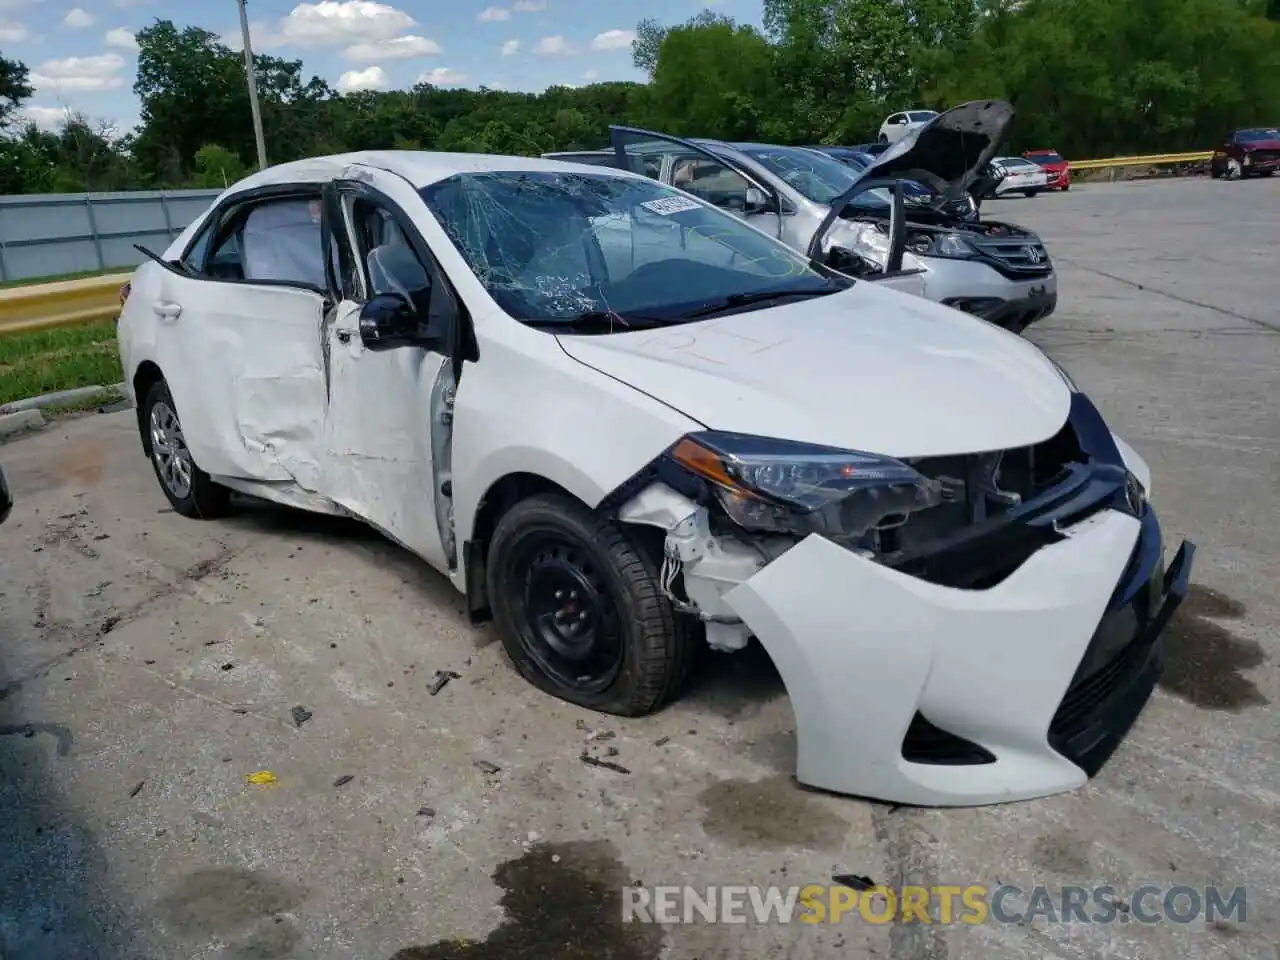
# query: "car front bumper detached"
{"type": "Point", "coordinates": [911, 692]}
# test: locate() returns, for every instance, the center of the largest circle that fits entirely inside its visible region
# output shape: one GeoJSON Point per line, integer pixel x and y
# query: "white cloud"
{"type": "Point", "coordinates": [46, 118]}
{"type": "Point", "coordinates": [83, 74]}
{"type": "Point", "coordinates": [13, 32]}
{"type": "Point", "coordinates": [371, 78]}
{"type": "Point", "coordinates": [122, 38]}
{"type": "Point", "coordinates": [591, 75]}
{"type": "Point", "coordinates": [261, 36]}
{"type": "Point", "coordinates": [496, 85]}
{"type": "Point", "coordinates": [613, 40]}
{"type": "Point", "coordinates": [127, 4]}
{"type": "Point", "coordinates": [78, 19]}
{"type": "Point", "coordinates": [398, 48]}
{"type": "Point", "coordinates": [443, 77]}
{"type": "Point", "coordinates": [556, 46]}
{"type": "Point", "coordinates": [529, 6]}
{"type": "Point", "coordinates": [331, 22]}
{"type": "Point", "coordinates": [510, 47]}
{"type": "Point", "coordinates": [493, 14]}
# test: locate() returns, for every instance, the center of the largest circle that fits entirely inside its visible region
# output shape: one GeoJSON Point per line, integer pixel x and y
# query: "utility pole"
{"type": "Point", "coordinates": [253, 88]}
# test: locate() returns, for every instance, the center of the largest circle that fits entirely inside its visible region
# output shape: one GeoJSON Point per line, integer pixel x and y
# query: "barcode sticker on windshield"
{"type": "Point", "coordinates": [669, 205]}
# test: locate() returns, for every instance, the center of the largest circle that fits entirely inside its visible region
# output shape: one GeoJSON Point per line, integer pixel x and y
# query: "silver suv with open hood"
{"type": "Point", "coordinates": [816, 204]}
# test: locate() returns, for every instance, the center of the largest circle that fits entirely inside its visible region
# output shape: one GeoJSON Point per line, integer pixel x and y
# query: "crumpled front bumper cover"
{"type": "Point", "coordinates": [865, 650]}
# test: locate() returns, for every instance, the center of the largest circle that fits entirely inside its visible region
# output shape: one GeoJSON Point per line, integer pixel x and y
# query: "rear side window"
{"type": "Point", "coordinates": [922, 116]}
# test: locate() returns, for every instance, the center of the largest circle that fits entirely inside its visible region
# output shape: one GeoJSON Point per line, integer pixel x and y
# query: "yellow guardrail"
{"type": "Point", "coordinates": [1154, 159]}
{"type": "Point", "coordinates": [64, 303]}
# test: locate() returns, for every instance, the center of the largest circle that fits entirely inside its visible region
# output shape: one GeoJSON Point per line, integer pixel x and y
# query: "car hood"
{"type": "Point", "coordinates": [868, 369]}
{"type": "Point", "coordinates": [954, 146]}
{"type": "Point", "coordinates": [1262, 145]}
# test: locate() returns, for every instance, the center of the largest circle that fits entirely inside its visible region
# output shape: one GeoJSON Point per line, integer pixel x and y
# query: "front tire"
{"type": "Point", "coordinates": [1029, 194]}
{"type": "Point", "coordinates": [188, 488]}
{"type": "Point", "coordinates": [579, 609]}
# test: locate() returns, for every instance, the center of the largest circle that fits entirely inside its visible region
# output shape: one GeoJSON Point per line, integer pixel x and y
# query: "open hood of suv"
{"type": "Point", "coordinates": [954, 147]}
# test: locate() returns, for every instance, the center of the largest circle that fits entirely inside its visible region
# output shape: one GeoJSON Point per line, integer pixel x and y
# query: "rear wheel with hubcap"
{"type": "Point", "coordinates": [188, 488]}
{"type": "Point", "coordinates": [579, 609]}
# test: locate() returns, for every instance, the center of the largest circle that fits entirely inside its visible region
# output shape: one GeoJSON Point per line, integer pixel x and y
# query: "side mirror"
{"type": "Point", "coordinates": [388, 321]}
{"type": "Point", "coordinates": [757, 201]}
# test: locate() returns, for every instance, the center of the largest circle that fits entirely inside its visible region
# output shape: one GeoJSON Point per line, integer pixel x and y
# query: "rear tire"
{"type": "Point", "coordinates": [580, 612]}
{"type": "Point", "coordinates": [1029, 194]}
{"type": "Point", "coordinates": [188, 488]}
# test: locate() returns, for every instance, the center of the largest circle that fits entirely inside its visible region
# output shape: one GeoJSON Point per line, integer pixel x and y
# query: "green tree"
{"type": "Point", "coordinates": [15, 88]}
{"type": "Point", "coordinates": [216, 166]}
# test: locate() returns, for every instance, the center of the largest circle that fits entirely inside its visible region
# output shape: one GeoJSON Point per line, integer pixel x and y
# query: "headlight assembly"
{"type": "Point", "coordinates": [782, 486]}
{"type": "Point", "coordinates": [955, 246]}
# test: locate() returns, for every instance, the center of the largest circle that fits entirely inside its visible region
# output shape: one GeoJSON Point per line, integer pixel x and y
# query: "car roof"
{"type": "Point", "coordinates": [420, 167]}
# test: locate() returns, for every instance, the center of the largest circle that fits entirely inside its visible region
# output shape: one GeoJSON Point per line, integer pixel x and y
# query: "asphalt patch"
{"type": "Point", "coordinates": [563, 901]}
{"type": "Point", "coordinates": [768, 814]}
{"type": "Point", "coordinates": [1204, 661]}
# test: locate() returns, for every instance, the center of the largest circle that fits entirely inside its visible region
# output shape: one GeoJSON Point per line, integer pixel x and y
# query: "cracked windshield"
{"type": "Point", "coordinates": [570, 249]}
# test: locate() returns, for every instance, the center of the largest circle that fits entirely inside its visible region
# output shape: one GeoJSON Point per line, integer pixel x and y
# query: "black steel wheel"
{"type": "Point", "coordinates": [579, 610]}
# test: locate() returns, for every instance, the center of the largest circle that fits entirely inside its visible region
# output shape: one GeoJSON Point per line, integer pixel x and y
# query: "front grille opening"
{"type": "Point", "coordinates": [1088, 695]}
{"type": "Point", "coordinates": [926, 743]}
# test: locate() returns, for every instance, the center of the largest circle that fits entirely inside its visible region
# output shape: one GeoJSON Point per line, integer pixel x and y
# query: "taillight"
{"type": "Point", "coordinates": [124, 291]}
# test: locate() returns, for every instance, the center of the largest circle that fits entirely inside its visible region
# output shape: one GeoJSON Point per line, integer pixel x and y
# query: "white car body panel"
{"type": "Point", "coordinates": [739, 373]}
{"type": "Point", "coordinates": [860, 647]}
{"type": "Point", "coordinates": [1020, 175]}
{"type": "Point", "coordinates": [988, 665]}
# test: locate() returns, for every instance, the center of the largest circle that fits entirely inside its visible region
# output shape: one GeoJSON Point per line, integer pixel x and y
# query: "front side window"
{"type": "Point", "coordinates": [387, 259]}
{"type": "Point", "coordinates": [809, 173]}
{"type": "Point", "coordinates": [923, 116]}
{"type": "Point", "coordinates": [280, 240]}
{"type": "Point", "coordinates": [552, 247]}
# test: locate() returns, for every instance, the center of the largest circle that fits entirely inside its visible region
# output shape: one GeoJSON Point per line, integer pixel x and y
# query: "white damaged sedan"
{"type": "Point", "coordinates": [623, 423]}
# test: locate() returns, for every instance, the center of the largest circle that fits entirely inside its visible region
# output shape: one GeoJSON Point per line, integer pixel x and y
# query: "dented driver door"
{"type": "Point", "coordinates": [389, 419]}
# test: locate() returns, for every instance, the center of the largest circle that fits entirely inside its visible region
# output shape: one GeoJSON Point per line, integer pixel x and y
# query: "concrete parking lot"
{"type": "Point", "coordinates": [150, 665]}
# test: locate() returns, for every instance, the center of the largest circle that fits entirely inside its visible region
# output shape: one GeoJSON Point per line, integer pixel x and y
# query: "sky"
{"type": "Point", "coordinates": [82, 54]}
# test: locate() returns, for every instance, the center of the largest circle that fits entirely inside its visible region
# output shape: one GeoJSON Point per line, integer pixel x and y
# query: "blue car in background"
{"type": "Point", "coordinates": [860, 160]}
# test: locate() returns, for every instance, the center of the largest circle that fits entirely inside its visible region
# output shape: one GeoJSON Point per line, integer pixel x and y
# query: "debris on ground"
{"type": "Point", "coordinates": [228, 666]}
{"type": "Point", "coordinates": [300, 715]}
{"type": "Point", "coordinates": [597, 735]}
{"type": "Point", "coordinates": [662, 741]}
{"type": "Point", "coordinates": [439, 680]}
{"type": "Point", "coordinates": [486, 767]}
{"type": "Point", "coordinates": [343, 780]}
{"type": "Point", "coordinates": [598, 762]}
{"type": "Point", "coordinates": [263, 778]}
{"type": "Point", "coordinates": [853, 881]}
{"type": "Point", "coordinates": [138, 789]}
{"type": "Point", "coordinates": [426, 812]}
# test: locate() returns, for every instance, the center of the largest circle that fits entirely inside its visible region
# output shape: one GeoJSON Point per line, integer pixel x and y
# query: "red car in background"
{"type": "Point", "coordinates": [1248, 151]}
{"type": "Point", "coordinates": [1056, 169]}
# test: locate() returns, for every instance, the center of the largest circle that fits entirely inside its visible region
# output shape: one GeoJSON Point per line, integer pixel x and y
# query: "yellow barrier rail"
{"type": "Point", "coordinates": [64, 303]}
{"type": "Point", "coordinates": [1153, 160]}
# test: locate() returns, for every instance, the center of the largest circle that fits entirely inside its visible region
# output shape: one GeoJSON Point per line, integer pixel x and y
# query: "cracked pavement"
{"type": "Point", "coordinates": [150, 664]}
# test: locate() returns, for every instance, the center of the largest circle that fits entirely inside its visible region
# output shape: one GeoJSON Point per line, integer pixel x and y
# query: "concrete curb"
{"type": "Point", "coordinates": [59, 396]}
{"type": "Point", "coordinates": [19, 422]}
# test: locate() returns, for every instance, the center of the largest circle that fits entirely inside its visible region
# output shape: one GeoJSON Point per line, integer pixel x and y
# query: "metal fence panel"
{"type": "Point", "coordinates": [44, 235]}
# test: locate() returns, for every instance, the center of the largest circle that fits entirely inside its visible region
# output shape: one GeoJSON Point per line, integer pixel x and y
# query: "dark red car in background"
{"type": "Point", "coordinates": [1245, 152]}
{"type": "Point", "coordinates": [1056, 169]}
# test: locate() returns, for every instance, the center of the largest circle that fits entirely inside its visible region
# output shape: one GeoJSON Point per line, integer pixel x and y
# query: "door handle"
{"type": "Point", "coordinates": [166, 310]}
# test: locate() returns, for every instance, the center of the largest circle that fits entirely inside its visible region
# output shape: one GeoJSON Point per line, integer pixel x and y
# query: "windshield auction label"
{"type": "Point", "coordinates": [669, 205]}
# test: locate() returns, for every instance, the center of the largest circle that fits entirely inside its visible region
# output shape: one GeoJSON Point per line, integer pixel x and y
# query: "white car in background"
{"type": "Point", "coordinates": [1020, 176]}
{"type": "Point", "coordinates": [622, 422]}
{"type": "Point", "coordinates": [898, 125]}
